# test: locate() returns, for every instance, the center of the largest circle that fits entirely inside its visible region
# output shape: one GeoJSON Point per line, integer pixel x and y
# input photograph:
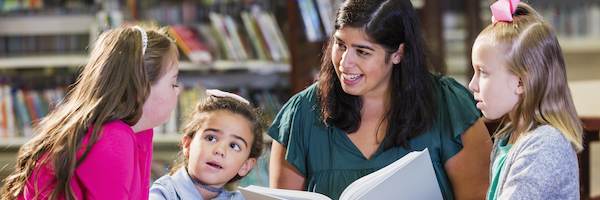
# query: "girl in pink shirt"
{"type": "Point", "coordinates": [98, 143]}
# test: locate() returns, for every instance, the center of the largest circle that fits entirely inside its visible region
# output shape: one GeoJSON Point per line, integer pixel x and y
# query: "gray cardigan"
{"type": "Point", "coordinates": [542, 165]}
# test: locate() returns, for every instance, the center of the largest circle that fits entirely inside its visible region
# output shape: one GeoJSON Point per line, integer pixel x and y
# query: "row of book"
{"type": "Point", "coordinates": [313, 15]}
{"type": "Point", "coordinates": [573, 20]}
{"type": "Point", "coordinates": [253, 35]}
{"type": "Point", "coordinates": [43, 45]}
{"type": "Point", "coordinates": [33, 7]}
{"type": "Point", "coordinates": [269, 102]}
{"type": "Point", "coordinates": [20, 109]}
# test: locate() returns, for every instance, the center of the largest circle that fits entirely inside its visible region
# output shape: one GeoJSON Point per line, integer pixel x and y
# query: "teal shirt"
{"type": "Point", "coordinates": [498, 167]}
{"type": "Point", "coordinates": [330, 161]}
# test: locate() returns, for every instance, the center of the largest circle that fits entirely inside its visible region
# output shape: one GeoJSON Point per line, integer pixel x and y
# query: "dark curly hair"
{"type": "Point", "coordinates": [202, 113]}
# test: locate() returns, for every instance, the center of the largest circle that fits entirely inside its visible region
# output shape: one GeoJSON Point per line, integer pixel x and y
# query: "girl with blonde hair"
{"type": "Point", "coordinates": [520, 74]}
{"type": "Point", "coordinates": [98, 143]}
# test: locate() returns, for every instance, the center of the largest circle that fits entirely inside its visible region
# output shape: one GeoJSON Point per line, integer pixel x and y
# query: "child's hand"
{"type": "Point", "coordinates": [219, 93]}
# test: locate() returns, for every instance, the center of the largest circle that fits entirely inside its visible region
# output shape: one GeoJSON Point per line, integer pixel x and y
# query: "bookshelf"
{"type": "Point", "coordinates": [259, 79]}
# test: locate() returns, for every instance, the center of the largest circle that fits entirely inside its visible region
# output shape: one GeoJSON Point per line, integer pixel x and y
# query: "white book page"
{"type": "Point", "coordinates": [254, 192]}
{"type": "Point", "coordinates": [368, 182]}
{"type": "Point", "coordinates": [410, 177]}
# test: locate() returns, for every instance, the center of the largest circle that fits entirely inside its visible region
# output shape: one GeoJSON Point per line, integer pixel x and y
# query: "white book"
{"type": "Point", "coordinates": [410, 177]}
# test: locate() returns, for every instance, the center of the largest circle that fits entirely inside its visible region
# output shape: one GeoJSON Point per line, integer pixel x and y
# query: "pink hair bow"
{"type": "Point", "coordinates": [502, 10]}
{"type": "Point", "coordinates": [219, 93]}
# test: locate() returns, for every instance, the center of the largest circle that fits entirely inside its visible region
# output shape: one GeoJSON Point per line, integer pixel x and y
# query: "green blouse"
{"type": "Point", "coordinates": [330, 161]}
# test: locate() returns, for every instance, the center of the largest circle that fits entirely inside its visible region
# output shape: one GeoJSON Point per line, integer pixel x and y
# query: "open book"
{"type": "Point", "coordinates": [410, 177]}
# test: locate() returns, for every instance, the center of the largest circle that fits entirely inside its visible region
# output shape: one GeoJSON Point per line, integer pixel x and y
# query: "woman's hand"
{"type": "Point", "coordinates": [282, 174]}
{"type": "Point", "coordinates": [468, 170]}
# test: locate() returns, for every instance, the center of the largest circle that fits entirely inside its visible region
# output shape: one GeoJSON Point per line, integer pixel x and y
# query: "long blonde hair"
{"type": "Point", "coordinates": [113, 85]}
{"type": "Point", "coordinates": [531, 51]}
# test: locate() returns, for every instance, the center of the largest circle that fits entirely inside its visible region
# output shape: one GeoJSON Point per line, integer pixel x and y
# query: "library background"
{"type": "Point", "coordinates": [264, 50]}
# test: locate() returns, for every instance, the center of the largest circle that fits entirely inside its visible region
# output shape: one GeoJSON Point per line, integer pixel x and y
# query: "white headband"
{"type": "Point", "coordinates": [144, 38]}
{"type": "Point", "coordinates": [219, 93]}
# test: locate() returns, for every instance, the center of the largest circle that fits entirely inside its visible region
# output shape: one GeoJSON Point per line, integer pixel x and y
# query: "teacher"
{"type": "Point", "coordinates": [378, 98]}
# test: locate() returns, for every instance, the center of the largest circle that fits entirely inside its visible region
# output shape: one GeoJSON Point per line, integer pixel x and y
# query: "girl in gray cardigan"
{"type": "Point", "coordinates": [520, 75]}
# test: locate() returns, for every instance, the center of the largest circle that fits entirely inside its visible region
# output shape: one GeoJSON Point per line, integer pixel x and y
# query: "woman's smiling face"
{"type": "Point", "coordinates": [361, 66]}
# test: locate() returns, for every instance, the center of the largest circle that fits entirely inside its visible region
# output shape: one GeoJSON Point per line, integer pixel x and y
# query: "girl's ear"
{"type": "Point", "coordinates": [397, 56]}
{"type": "Point", "coordinates": [247, 167]}
{"type": "Point", "coordinates": [520, 87]}
{"type": "Point", "coordinates": [186, 145]}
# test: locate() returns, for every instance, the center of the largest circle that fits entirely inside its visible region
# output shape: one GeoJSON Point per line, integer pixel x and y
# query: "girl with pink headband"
{"type": "Point", "coordinates": [520, 77]}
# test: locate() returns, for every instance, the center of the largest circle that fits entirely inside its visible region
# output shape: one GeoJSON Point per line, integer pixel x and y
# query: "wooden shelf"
{"type": "Point", "coordinates": [43, 61]}
{"type": "Point", "coordinates": [253, 66]}
{"type": "Point", "coordinates": [75, 60]}
{"type": "Point", "coordinates": [580, 45]}
{"type": "Point", "coordinates": [47, 25]}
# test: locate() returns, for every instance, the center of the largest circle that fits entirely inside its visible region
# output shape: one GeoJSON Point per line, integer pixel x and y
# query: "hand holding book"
{"type": "Point", "coordinates": [410, 177]}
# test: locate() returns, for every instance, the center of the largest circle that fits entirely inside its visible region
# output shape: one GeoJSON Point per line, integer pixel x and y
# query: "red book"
{"type": "Point", "coordinates": [188, 43]}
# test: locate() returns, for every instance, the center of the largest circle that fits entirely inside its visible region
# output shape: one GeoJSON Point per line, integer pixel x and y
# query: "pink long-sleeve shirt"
{"type": "Point", "coordinates": [117, 167]}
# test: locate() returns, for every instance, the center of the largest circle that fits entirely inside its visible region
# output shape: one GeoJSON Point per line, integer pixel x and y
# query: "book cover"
{"type": "Point", "coordinates": [235, 37]}
{"type": "Point", "coordinates": [224, 36]}
{"type": "Point", "coordinates": [30, 107]}
{"type": "Point", "coordinates": [253, 33]}
{"type": "Point", "coordinates": [187, 42]}
{"type": "Point", "coordinates": [326, 11]}
{"type": "Point", "coordinates": [278, 36]}
{"type": "Point", "coordinates": [271, 44]}
{"type": "Point", "coordinates": [310, 19]}
{"type": "Point", "coordinates": [21, 113]}
{"type": "Point", "coordinates": [8, 111]}
{"type": "Point", "coordinates": [3, 131]}
{"type": "Point", "coordinates": [209, 36]}
{"type": "Point", "coordinates": [410, 177]}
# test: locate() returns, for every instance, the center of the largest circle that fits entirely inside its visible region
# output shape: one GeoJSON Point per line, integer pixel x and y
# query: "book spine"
{"type": "Point", "coordinates": [326, 11]}
{"type": "Point", "coordinates": [311, 31]}
{"type": "Point", "coordinates": [253, 34]}
{"type": "Point", "coordinates": [3, 131]}
{"type": "Point", "coordinates": [29, 106]}
{"type": "Point", "coordinates": [188, 43]}
{"type": "Point", "coordinates": [235, 37]}
{"type": "Point", "coordinates": [219, 25]}
{"type": "Point", "coordinates": [259, 16]}
{"type": "Point", "coordinates": [9, 111]}
{"type": "Point", "coordinates": [21, 112]}
{"type": "Point", "coordinates": [281, 44]}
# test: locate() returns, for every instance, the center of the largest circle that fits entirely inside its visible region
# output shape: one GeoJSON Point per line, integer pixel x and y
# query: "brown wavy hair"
{"type": "Point", "coordinates": [113, 85]}
{"type": "Point", "coordinates": [532, 52]}
{"type": "Point", "coordinates": [204, 110]}
{"type": "Point", "coordinates": [388, 23]}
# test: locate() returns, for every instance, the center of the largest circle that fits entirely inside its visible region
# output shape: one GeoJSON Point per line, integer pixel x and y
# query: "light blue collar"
{"type": "Point", "coordinates": [186, 188]}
